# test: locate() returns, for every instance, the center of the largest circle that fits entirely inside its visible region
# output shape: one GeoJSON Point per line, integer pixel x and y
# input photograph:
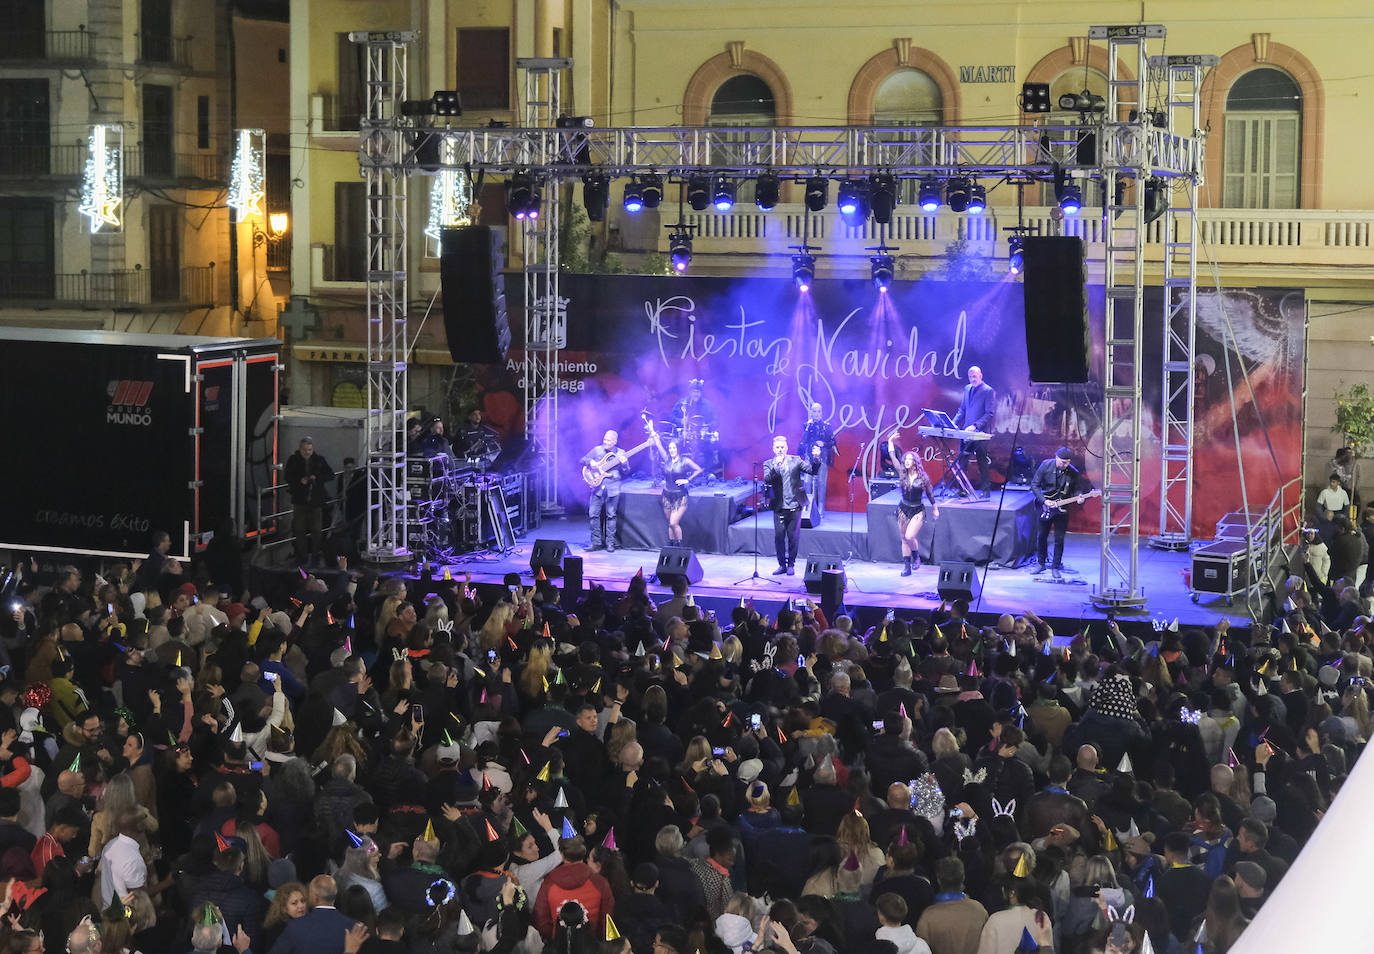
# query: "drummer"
{"type": "Point", "coordinates": [695, 425]}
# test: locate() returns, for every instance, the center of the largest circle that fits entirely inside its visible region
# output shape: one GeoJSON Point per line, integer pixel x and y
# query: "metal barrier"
{"type": "Point", "coordinates": [282, 518]}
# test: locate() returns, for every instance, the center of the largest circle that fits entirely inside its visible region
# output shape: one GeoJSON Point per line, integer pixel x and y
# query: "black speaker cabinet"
{"type": "Point", "coordinates": [832, 591]}
{"type": "Point", "coordinates": [1057, 348]}
{"type": "Point", "coordinates": [678, 562]}
{"type": "Point", "coordinates": [547, 555]}
{"type": "Point", "coordinates": [818, 563]}
{"type": "Point", "coordinates": [572, 582]}
{"type": "Point", "coordinates": [474, 289]}
{"type": "Point", "coordinates": [958, 581]}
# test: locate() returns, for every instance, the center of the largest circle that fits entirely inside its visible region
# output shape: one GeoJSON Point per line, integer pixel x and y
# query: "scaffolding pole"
{"type": "Point", "coordinates": [1182, 76]}
{"type": "Point", "coordinates": [381, 157]}
{"type": "Point", "coordinates": [544, 313]}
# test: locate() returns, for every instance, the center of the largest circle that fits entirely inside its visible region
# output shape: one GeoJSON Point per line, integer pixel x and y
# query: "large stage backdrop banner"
{"type": "Point", "coordinates": [874, 361]}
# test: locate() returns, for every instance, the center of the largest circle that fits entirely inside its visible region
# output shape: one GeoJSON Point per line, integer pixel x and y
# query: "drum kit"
{"type": "Point", "coordinates": [454, 505]}
{"type": "Point", "coordinates": [697, 439]}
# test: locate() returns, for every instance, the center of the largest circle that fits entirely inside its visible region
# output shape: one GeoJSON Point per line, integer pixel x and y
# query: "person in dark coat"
{"type": "Point", "coordinates": [1183, 887]}
{"type": "Point", "coordinates": [240, 904]}
{"type": "Point", "coordinates": [824, 803]}
{"type": "Point", "coordinates": [642, 913]}
{"type": "Point", "coordinates": [678, 885]}
{"type": "Point", "coordinates": [307, 476]}
{"type": "Point", "coordinates": [891, 758]}
{"type": "Point", "coordinates": [321, 931]}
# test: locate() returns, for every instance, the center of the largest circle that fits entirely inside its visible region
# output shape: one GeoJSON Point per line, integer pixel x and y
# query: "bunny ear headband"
{"type": "Point", "coordinates": [1009, 809]}
{"type": "Point", "coordinates": [444, 626]}
{"type": "Point", "coordinates": [1128, 916]}
{"type": "Point", "coordinates": [975, 778]}
{"type": "Point", "coordinates": [398, 654]}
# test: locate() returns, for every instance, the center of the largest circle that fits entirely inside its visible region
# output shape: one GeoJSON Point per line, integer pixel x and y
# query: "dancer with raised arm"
{"type": "Point", "coordinates": [915, 485]}
{"type": "Point", "coordinates": [678, 473]}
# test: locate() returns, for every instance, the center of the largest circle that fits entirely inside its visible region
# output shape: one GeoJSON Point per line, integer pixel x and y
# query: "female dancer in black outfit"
{"type": "Point", "coordinates": [678, 472]}
{"type": "Point", "coordinates": [915, 484]}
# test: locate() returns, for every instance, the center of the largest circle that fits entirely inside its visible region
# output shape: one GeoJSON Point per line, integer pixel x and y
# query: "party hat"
{"type": "Point", "coordinates": [562, 800]}
{"type": "Point", "coordinates": [448, 574]}
{"type": "Point", "coordinates": [882, 634]}
{"type": "Point", "coordinates": [782, 739]}
{"type": "Point", "coordinates": [973, 668]}
{"type": "Point", "coordinates": [1133, 831]}
{"type": "Point", "coordinates": [329, 618]}
{"type": "Point", "coordinates": [639, 574]}
{"type": "Point", "coordinates": [1046, 649]}
{"type": "Point", "coordinates": [511, 642]}
{"type": "Point", "coordinates": [609, 844]}
{"type": "Point", "coordinates": [543, 775]}
{"type": "Point", "coordinates": [517, 829]}
{"type": "Point", "coordinates": [1027, 942]}
{"type": "Point", "coordinates": [178, 658]}
{"type": "Point", "coordinates": [491, 832]}
{"type": "Point", "coordinates": [729, 718]}
{"type": "Point", "coordinates": [1023, 868]}
{"type": "Point", "coordinates": [568, 830]}
{"type": "Point", "coordinates": [1266, 668]}
{"type": "Point", "coordinates": [901, 837]}
{"type": "Point", "coordinates": [793, 799]}
{"type": "Point", "coordinates": [558, 680]}
{"type": "Point", "coordinates": [1124, 766]}
{"type": "Point", "coordinates": [76, 764]}
{"type": "Point", "coordinates": [545, 680]}
{"type": "Point", "coordinates": [1231, 759]}
{"type": "Point", "coordinates": [464, 923]}
{"type": "Point", "coordinates": [348, 645]}
{"type": "Point", "coordinates": [612, 932]}
{"type": "Point", "coordinates": [430, 834]}
{"type": "Point", "coordinates": [1110, 843]}
{"type": "Point", "coordinates": [353, 837]}
{"type": "Point", "coordinates": [211, 915]}
{"type": "Point", "coordinates": [858, 811]}
{"type": "Point", "coordinates": [339, 718]}
{"type": "Point", "coordinates": [483, 699]}
{"type": "Point", "coordinates": [639, 650]}
{"type": "Point", "coordinates": [1292, 663]}
{"type": "Point", "coordinates": [237, 735]}
{"type": "Point", "coordinates": [220, 843]}
{"type": "Point", "coordinates": [715, 651]}
{"type": "Point", "coordinates": [1146, 946]}
{"type": "Point", "coordinates": [596, 686]}
{"type": "Point", "coordinates": [541, 576]}
{"type": "Point", "coordinates": [901, 710]}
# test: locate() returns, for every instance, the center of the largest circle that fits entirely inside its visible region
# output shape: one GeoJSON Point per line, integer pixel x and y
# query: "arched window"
{"type": "Point", "coordinates": [1262, 154]}
{"type": "Point", "coordinates": [907, 97]}
{"type": "Point", "coordinates": [743, 100]}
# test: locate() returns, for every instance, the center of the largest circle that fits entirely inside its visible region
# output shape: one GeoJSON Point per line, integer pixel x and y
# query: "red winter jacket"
{"type": "Point", "coordinates": [573, 881]}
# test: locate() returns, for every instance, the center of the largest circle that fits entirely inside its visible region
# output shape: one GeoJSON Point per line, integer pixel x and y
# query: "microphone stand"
{"type": "Point", "coordinates": [758, 502]}
{"type": "Point", "coordinates": [854, 471]}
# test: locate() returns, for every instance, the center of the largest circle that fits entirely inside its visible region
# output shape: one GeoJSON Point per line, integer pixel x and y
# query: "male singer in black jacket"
{"type": "Point", "coordinates": [782, 474]}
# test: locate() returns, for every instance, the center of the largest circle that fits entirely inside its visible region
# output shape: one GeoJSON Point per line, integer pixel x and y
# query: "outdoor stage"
{"type": "Point", "coordinates": [872, 585]}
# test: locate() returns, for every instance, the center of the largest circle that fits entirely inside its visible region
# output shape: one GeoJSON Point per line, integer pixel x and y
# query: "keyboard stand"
{"type": "Point", "coordinates": [955, 480]}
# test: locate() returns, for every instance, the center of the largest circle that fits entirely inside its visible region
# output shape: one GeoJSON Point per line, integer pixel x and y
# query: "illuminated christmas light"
{"type": "Point", "coordinates": [247, 181]}
{"type": "Point", "coordinates": [449, 196]}
{"type": "Point", "coordinates": [102, 185]}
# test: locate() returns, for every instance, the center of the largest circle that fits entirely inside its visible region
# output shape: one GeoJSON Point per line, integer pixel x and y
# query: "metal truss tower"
{"type": "Point", "coordinates": [546, 332]}
{"type": "Point", "coordinates": [1182, 78]}
{"type": "Point", "coordinates": [381, 156]}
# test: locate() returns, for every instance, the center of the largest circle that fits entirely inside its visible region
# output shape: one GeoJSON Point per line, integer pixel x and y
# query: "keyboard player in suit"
{"type": "Point", "coordinates": [975, 414]}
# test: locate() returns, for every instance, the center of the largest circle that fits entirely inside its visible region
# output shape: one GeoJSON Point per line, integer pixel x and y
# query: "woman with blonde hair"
{"type": "Point", "coordinates": [536, 670]}
{"type": "Point", "coordinates": [341, 740]}
{"type": "Point", "coordinates": [385, 615]}
{"type": "Point", "coordinates": [493, 635]}
{"type": "Point", "coordinates": [854, 839]}
{"type": "Point", "coordinates": [288, 903]}
{"type": "Point", "coordinates": [622, 733]}
{"type": "Point", "coordinates": [118, 797]}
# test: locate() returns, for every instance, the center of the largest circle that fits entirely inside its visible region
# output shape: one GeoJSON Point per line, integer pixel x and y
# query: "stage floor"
{"type": "Point", "coordinates": [874, 584]}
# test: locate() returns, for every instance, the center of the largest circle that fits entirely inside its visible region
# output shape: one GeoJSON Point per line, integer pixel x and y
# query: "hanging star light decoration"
{"type": "Point", "coordinates": [102, 185]}
{"type": "Point", "coordinates": [247, 174]}
{"type": "Point", "coordinates": [450, 195]}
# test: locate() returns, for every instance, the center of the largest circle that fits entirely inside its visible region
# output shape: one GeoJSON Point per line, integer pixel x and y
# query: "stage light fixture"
{"type": "Point", "coordinates": [634, 196]}
{"type": "Point", "coordinates": [699, 191]}
{"type": "Point", "coordinates": [1015, 259]}
{"type": "Point", "coordinates": [767, 190]}
{"type": "Point", "coordinates": [803, 270]}
{"type": "Point", "coordinates": [957, 194]}
{"type": "Point", "coordinates": [680, 250]}
{"type": "Point", "coordinates": [1035, 97]}
{"type": "Point", "coordinates": [1071, 199]}
{"type": "Point", "coordinates": [723, 195]}
{"type": "Point", "coordinates": [929, 197]}
{"type": "Point", "coordinates": [1156, 198]}
{"type": "Point", "coordinates": [652, 186]}
{"type": "Point", "coordinates": [523, 196]}
{"type": "Point", "coordinates": [882, 197]}
{"type": "Point", "coordinates": [977, 199]}
{"type": "Point", "coordinates": [817, 193]}
{"type": "Point", "coordinates": [596, 196]}
{"type": "Point", "coordinates": [881, 267]}
{"type": "Point", "coordinates": [851, 197]}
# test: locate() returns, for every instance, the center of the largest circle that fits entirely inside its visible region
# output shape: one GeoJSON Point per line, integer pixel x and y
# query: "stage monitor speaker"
{"type": "Point", "coordinates": [818, 563]}
{"type": "Point", "coordinates": [958, 581]}
{"type": "Point", "coordinates": [572, 582]}
{"type": "Point", "coordinates": [470, 263]}
{"type": "Point", "coordinates": [675, 562]}
{"type": "Point", "coordinates": [547, 555]}
{"type": "Point", "coordinates": [832, 591]}
{"type": "Point", "coordinates": [1057, 348]}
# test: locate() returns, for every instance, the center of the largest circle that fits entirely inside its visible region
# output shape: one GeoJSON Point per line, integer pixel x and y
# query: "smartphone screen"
{"type": "Point", "coordinates": [417, 712]}
{"type": "Point", "coordinates": [562, 733]}
{"type": "Point", "coordinates": [255, 766]}
{"type": "Point", "coordinates": [491, 656]}
{"type": "Point", "coordinates": [717, 752]}
{"type": "Point", "coordinates": [756, 722]}
{"type": "Point", "coordinates": [877, 725]}
{"type": "Point", "coordinates": [270, 676]}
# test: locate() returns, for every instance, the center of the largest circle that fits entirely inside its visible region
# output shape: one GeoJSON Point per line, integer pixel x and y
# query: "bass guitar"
{"type": "Point", "coordinates": [1052, 508]}
{"type": "Point", "coordinates": [594, 473]}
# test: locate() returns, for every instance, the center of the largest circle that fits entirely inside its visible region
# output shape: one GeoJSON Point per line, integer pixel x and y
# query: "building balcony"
{"type": "Point", "coordinates": [1237, 238]}
{"type": "Point", "coordinates": [159, 49]}
{"type": "Point", "coordinates": [51, 46]}
{"type": "Point", "coordinates": [39, 161]}
{"type": "Point", "coordinates": [192, 286]}
{"type": "Point", "coordinates": [141, 162]}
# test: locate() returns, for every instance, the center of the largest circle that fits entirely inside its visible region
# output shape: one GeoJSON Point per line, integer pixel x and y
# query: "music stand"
{"type": "Point", "coordinates": [938, 418]}
{"type": "Point", "coordinates": [954, 478]}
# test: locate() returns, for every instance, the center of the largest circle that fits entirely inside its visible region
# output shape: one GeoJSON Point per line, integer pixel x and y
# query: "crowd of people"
{"type": "Point", "coordinates": [343, 761]}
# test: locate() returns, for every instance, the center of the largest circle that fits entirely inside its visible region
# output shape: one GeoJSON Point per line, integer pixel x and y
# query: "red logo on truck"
{"type": "Point", "coordinates": [129, 403]}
